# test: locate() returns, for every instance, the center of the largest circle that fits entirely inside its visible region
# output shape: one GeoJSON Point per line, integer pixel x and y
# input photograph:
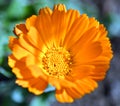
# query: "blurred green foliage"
{"type": "Point", "coordinates": [13, 12]}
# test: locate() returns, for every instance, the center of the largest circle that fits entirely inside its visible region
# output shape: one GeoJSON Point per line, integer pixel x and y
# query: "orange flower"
{"type": "Point", "coordinates": [63, 48]}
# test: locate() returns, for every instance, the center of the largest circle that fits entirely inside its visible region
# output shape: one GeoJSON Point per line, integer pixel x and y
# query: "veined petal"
{"type": "Point", "coordinates": [63, 23]}
{"type": "Point", "coordinates": [93, 23]}
{"type": "Point", "coordinates": [60, 25]}
{"type": "Point", "coordinates": [87, 37]}
{"type": "Point", "coordinates": [87, 85]}
{"type": "Point", "coordinates": [63, 96]}
{"type": "Point", "coordinates": [79, 26]}
{"type": "Point", "coordinates": [45, 10]}
{"type": "Point", "coordinates": [60, 7]}
{"type": "Point", "coordinates": [101, 70]}
{"type": "Point", "coordinates": [72, 15]}
{"type": "Point", "coordinates": [31, 21]}
{"type": "Point", "coordinates": [45, 29]}
{"type": "Point", "coordinates": [74, 93]}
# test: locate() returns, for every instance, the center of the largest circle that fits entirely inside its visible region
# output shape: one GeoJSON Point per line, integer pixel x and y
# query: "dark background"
{"type": "Point", "coordinates": [13, 12]}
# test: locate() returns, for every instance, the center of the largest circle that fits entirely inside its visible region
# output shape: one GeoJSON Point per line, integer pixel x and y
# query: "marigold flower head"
{"type": "Point", "coordinates": [63, 48]}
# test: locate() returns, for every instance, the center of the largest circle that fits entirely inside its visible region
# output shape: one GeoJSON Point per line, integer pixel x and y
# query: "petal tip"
{"type": "Point", "coordinates": [60, 7]}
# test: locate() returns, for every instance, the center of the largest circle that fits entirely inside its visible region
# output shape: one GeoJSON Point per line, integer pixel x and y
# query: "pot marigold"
{"type": "Point", "coordinates": [63, 48]}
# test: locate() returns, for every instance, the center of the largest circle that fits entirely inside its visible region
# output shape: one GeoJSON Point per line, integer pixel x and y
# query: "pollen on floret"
{"type": "Point", "coordinates": [57, 62]}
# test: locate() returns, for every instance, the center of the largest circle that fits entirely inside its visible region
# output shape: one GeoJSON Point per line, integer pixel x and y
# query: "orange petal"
{"type": "Point", "coordinates": [62, 96]}
{"type": "Point", "coordinates": [79, 26]}
{"type": "Point", "coordinates": [80, 71]}
{"type": "Point", "coordinates": [105, 42]}
{"type": "Point", "coordinates": [28, 47]}
{"type": "Point", "coordinates": [32, 60]}
{"type": "Point", "coordinates": [54, 82]}
{"type": "Point", "coordinates": [58, 83]}
{"type": "Point", "coordinates": [45, 10]}
{"type": "Point", "coordinates": [88, 37]}
{"type": "Point", "coordinates": [36, 71]}
{"type": "Point", "coordinates": [60, 26]}
{"type": "Point", "coordinates": [11, 60]}
{"type": "Point", "coordinates": [93, 23]}
{"type": "Point", "coordinates": [20, 29]}
{"type": "Point", "coordinates": [37, 86]}
{"type": "Point", "coordinates": [87, 53]}
{"type": "Point", "coordinates": [31, 21]}
{"type": "Point", "coordinates": [72, 15]}
{"type": "Point", "coordinates": [82, 87]}
{"type": "Point", "coordinates": [74, 93]}
{"type": "Point", "coordinates": [102, 31]}
{"type": "Point", "coordinates": [64, 21]}
{"type": "Point", "coordinates": [21, 71]}
{"type": "Point", "coordinates": [12, 41]}
{"type": "Point", "coordinates": [19, 52]}
{"type": "Point", "coordinates": [99, 72]}
{"type": "Point", "coordinates": [24, 70]}
{"type": "Point", "coordinates": [45, 28]}
{"type": "Point", "coordinates": [35, 38]}
{"type": "Point", "coordinates": [23, 83]}
{"type": "Point", "coordinates": [21, 47]}
{"type": "Point", "coordinates": [86, 85]}
{"type": "Point", "coordinates": [59, 7]}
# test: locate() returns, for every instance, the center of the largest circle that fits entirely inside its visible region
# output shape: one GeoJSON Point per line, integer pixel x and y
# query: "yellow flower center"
{"type": "Point", "coordinates": [57, 62]}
